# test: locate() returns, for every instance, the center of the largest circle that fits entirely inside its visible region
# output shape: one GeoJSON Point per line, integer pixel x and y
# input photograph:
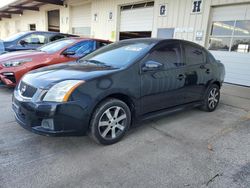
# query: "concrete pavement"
{"type": "Point", "coordinates": [187, 149]}
{"type": "Point", "coordinates": [236, 96]}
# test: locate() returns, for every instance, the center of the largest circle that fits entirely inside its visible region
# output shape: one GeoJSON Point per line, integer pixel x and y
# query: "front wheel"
{"type": "Point", "coordinates": [110, 121]}
{"type": "Point", "coordinates": [211, 99]}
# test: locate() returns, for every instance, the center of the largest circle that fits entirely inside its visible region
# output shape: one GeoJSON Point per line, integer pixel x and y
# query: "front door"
{"type": "Point", "coordinates": [163, 88]}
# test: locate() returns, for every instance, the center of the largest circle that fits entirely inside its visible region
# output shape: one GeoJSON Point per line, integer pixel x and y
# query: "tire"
{"type": "Point", "coordinates": [211, 99]}
{"type": "Point", "coordinates": [110, 121]}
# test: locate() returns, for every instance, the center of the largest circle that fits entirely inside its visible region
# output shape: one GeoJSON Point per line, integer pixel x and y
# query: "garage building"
{"type": "Point", "coordinates": [223, 26]}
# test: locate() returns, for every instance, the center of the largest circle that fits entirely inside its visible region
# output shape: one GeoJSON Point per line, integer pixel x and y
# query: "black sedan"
{"type": "Point", "coordinates": [104, 92]}
{"type": "Point", "coordinates": [30, 40]}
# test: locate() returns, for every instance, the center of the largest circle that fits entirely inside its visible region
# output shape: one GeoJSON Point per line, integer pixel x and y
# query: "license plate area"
{"type": "Point", "coordinates": [1, 83]}
{"type": "Point", "coordinates": [18, 111]}
{"type": "Point", "coordinates": [16, 108]}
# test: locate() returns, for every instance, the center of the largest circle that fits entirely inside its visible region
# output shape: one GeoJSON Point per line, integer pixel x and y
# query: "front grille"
{"type": "Point", "coordinates": [27, 90]}
{"type": "Point", "coordinates": [11, 78]}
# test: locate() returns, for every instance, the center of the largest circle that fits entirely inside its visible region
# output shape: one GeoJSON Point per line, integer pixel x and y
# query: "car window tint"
{"type": "Point", "coordinates": [194, 55]}
{"type": "Point", "coordinates": [56, 46]}
{"type": "Point", "coordinates": [210, 58]}
{"type": "Point", "coordinates": [82, 48]}
{"type": "Point", "coordinates": [169, 55]}
{"type": "Point", "coordinates": [102, 44]}
{"type": "Point", "coordinates": [35, 39]}
{"type": "Point", "coordinates": [56, 37]}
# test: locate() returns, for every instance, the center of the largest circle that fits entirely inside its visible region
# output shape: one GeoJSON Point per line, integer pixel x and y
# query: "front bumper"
{"type": "Point", "coordinates": [69, 118]}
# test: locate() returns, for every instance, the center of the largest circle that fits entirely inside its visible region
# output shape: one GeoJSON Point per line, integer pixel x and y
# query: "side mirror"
{"type": "Point", "coordinates": [152, 66]}
{"type": "Point", "coordinates": [22, 42]}
{"type": "Point", "coordinates": [68, 53]}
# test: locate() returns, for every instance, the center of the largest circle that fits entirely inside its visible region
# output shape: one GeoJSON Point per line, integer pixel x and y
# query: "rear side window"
{"type": "Point", "coordinates": [102, 44]}
{"type": "Point", "coordinates": [210, 58]}
{"type": "Point", "coordinates": [194, 55]}
{"type": "Point", "coordinates": [169, 55]}
{"type": "Point", "coordinates": [56, 37]}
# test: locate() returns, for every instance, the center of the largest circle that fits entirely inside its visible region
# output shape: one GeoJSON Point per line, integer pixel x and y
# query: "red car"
{"type": "Point", "coordinates": [14, 65]}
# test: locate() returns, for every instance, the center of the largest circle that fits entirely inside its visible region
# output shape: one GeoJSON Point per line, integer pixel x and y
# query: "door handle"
{"type": "Point", "coordinates": [207, 69]}
{"type": "Point", "coordinates": [180, 77]}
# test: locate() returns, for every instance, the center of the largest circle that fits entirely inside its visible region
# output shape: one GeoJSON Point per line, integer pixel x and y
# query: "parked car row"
{"type": "Point", "coordinates": [30, 40]}
{"type": "Point", "coordinates": [15, 64]}
{"type": "Point", "coordinates": [106, 90]}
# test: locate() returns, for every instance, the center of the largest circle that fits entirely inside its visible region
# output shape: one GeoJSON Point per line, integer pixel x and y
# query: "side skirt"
{"type": "Point", "coordinates": [169, 111]}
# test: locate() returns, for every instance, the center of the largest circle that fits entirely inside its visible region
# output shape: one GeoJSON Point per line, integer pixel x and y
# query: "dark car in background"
{"type": "Point", "coordinates": [107, 90]}
{"type": "Point", "coordinates": [30, 40]}
{"type": "Point", "coordinates": [14, 65]}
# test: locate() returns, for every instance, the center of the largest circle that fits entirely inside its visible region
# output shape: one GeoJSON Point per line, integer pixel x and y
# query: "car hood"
{"type": "Point", "coordinates": [46, 77]}
{"type": "Point", "coordinates": [20, 55]}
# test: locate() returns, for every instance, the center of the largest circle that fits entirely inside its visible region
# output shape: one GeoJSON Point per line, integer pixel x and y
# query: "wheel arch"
{"type": "Point", "coordinates": [217, 83]}
{"type": "Point", "coordinates": [120, 96]}
{"type": "Point", "coordinates": [213, 81]}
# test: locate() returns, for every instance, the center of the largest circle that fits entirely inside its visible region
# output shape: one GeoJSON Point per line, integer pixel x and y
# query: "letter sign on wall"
{"type": "Point", "coordinates": [110, 15]}
{"type": "Point", "coordinates": [196, 6]}
{"type": "Point", "coordinates": [95, 17]}
{"type": "Point", "coordinates": [162, 10]}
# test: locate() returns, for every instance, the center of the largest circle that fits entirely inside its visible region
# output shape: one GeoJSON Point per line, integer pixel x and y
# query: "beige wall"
{"type": "Point", "coordinates": [228, 2]}
{"type": "Point", "coordinates": [179, 16]}
{"type": "Point", "coordinates": [21, 23]}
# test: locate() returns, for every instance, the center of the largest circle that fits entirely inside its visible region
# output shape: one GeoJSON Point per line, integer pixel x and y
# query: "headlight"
{"type": "Point", "coordinates": [61, 92]}
{"type": "Point", "coordinates": [15, 63]}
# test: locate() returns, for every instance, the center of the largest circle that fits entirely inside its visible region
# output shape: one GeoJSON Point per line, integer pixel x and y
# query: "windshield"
{"type": "Point", "coordinates": [56, 46]}
{"type": "Point", "coordinates": [15, 36]}
{"type": "Point", "coordinates": [118, 54]}
{"type": "Point", "coordinates": [2, 50]}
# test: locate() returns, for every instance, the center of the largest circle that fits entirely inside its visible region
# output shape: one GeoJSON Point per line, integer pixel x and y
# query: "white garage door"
{"type": "Point", "coordinates": [137, 17]}
{"type": "Point", "coordinates": [81, 19]}
{"type": "Point", "coordinates": [230, 41]}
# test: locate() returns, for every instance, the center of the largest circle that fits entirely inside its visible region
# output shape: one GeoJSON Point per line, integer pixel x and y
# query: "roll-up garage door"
{"type": "Point", "coordinates": [229, 41]}
{"type": "Point", "coordinates": [81, 19]}
{"type": "Point", "coordinates": [137, 19]}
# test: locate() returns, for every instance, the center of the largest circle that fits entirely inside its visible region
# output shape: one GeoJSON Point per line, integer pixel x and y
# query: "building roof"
{"type": "Point", "coordinates": [18, 6]}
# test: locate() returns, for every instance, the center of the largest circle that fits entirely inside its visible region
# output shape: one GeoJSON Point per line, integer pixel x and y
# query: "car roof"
{"type": "Point", "coordinates": [48, 32]}
{"type": "Point", "coordinates": [158, 40]}
{"type": "Point", "coordinates": [83, 39]}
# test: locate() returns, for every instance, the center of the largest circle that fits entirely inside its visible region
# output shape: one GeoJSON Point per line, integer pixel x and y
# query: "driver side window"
{"type": "Point", "coordinates": [82, 48]}
{"type": "Point", "coordinates": [169, 55]}
{"type": "Point", "coordinates": [34, 39]}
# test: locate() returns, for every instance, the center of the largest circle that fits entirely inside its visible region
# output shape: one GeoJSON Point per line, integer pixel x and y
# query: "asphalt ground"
{"type": "Point", "coordinates": [188, 149]}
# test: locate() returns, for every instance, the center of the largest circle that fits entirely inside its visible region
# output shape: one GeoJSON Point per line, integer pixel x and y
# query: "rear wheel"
{"type": "Point", "coordinates": [110, 121]}
{"type": "Point", "coordinates": [212, 98]}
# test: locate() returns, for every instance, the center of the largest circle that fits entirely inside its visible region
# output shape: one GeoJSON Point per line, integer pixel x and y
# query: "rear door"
{"type": "Point", "coordinates": [198, 72]}
{"type": "Point", "coordinates": [163, 88]}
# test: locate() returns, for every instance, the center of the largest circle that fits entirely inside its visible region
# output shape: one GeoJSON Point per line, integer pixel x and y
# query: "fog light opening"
{"type": "Point", "coordinates": [8, 73]}
{"type": "Point", "coordinates": [48, 124]}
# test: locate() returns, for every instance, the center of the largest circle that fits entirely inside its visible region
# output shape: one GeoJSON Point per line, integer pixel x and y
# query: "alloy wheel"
{"type": "Point", "coordinates": [112, 123]}
{"type": "Point", "coordinates": [213, 98]}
